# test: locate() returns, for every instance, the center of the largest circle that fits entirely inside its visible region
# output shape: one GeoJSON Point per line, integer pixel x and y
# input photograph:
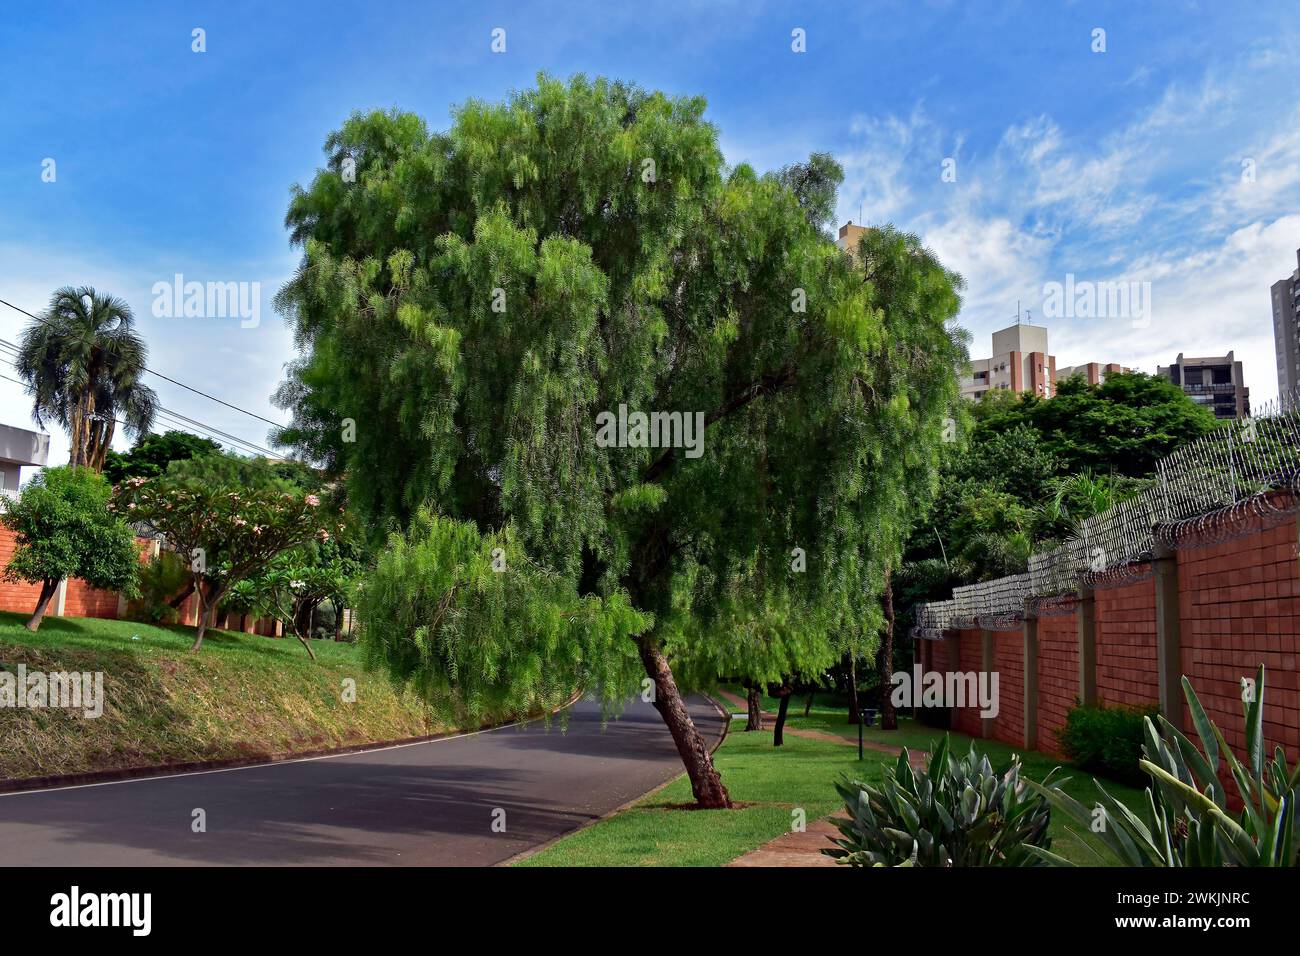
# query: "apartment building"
{"type": "Point", "coordinates": [1020, 362]}
{"type": "Point", "coordinates": [1285, 296]}
{"type": "Point", "coordinates": [1094, 373]}
{"type": "Point", "coordinates": [1214, 381]}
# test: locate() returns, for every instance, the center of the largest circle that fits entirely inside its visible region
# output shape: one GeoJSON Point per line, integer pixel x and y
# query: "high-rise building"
{"type": "Point", "coordinates": [1214, 381]}
{"type": "Point", "coordinates": [1020, 363]}
{"type": "Point", "coordinates": [1286, 332]}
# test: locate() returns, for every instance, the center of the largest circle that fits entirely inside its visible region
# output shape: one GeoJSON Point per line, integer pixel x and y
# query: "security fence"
{"type": "Point", "coordinates": [1238, 479]}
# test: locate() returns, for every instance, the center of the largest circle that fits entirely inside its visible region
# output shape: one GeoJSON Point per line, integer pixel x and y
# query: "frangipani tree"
{"type": "Point", "coordinates": [227, 530]}
{"type": "Point", "coordinates": [475, 306]}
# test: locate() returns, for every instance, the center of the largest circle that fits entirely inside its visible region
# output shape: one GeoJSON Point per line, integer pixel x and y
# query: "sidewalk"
{"type": "Point", "coordinates": [804, 849]}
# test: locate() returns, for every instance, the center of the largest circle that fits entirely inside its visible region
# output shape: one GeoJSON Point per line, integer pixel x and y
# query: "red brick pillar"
{"type": "Point", "coordinates": [1087, 621]}
{"type": "Point", "coordinates": [1031, 680]}
{"type": "Point", "coordinates": [1169, 636]}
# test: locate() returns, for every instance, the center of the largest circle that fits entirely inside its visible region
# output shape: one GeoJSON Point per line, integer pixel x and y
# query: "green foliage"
{"type": "Point", "coordinates": [152, 453]}
{"type": "Point", "coordinates": [478, 642]}
{"type": "Point", "coordinates": [229, 517]}
{"type": "Point", "coordinates": [83, 364]}
{"type": "Point", "coordinates": [958, 812]}
{"type": "Point", "coordinates": [1032, 469]}
{"type": "Point", "coordinates": [1106, 740]}
{"type": "Point", "coordinates": [1187, 820]}
{"type": "Point", "coordinates": [65, 529]}
{"type": "Point", "coordinates": [160, 580]}
{"type": "Point", "coordinates": [297, 582]}
{"type": "Point", "coordinates": [1122, 426]}
{"type": "Point", "coordinates": [824, 380]}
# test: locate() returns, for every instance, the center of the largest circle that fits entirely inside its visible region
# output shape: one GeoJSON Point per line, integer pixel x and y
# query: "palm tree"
{"type": "Point", "coordinates": [82, 362]}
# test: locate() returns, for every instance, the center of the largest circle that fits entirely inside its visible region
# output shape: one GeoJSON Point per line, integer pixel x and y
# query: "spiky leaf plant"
{"type": "Point", "coordinates": [957, 812]}
{"type": "Point", "coordinates": [1187, 820]}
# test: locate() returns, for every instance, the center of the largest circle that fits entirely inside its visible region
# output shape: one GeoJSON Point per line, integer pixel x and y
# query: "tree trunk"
{"type": "Point", "coordinates": [74, 434]}
{"type": "Point", "coordinates": [42, 604]}
{"type": "Point", "coordinates": [706, 783]}
{"type": "Point", "coordinates": [307, 644]}
{"type": "Point", "coordinates": [205, 602]}
{"type": "Point", "coordinates": [855, 711]}
{"type": "Point", "coordinates": [885, 659]}
{"type": "Point", "coordinates": [807, 707]}
{"type": "Point", "coordinates": [778, 731]}
{"type": "Point", "coordinates": [754, 707]}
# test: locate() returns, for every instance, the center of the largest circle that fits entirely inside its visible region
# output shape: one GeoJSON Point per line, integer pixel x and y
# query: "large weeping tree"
{"type": "Point", "coordinates": [83, 362]}
{"type": "Point", "coordinates": [469, 303]}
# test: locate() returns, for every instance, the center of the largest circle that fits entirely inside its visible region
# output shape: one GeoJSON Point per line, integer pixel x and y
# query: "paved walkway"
{"type": "Point", "coordinates": [805, 848]}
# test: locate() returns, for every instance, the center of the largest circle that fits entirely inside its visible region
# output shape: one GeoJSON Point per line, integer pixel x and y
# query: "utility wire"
{"type": "Point", "coordinates": [176, 419]}
{"type": "Point", "coordinates": [187, 388]}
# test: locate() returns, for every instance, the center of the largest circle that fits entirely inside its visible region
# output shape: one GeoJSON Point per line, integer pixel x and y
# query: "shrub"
{"type": "Point", "coordinates": [160, 580]}
{"type": "Point", "coordinates": [1106, 741]}
{"type": "Point", "coordinates": [958, 812]}
{"type": "Point", "coordinates": [65, 529]}
{"type": "Point", "coordinates": [1186, 821]}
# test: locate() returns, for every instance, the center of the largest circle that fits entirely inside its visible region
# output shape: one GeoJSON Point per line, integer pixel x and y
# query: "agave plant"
{"type": "Point", "coordinates": [958, 812]}
{"type": "Point", "coordinates": [1187, 819]}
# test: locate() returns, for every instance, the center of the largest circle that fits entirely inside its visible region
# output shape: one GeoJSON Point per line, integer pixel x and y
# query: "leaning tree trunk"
{"type": "Point", "coordinates": [42, 604]}
{"type": "Point", "coordinates": [706, 783]}
{"type": "Point", "coordinates": [753, 707]}
{"type": "Point", "coordinates": [885, 658]}
{"type": "Point", "coordinates": [855, 711]}
{"type": "Point", "coordinates": [205, 601]}
{"type": "Point", "coordinates": [778, 729]}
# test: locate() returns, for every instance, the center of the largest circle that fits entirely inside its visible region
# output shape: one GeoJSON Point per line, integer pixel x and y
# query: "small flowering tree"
{"type": "Point", "coordinates": [296, 583]}
{"type": "Point", "coordinates": [228, 532]}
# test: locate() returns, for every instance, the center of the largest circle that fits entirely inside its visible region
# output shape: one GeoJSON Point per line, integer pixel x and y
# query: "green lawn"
{"type": "Point", "coordinates": [242, 695]}
{"type": "Point", "coordinates": [772, 782]}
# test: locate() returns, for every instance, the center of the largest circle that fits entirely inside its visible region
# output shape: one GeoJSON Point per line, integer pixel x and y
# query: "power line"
{"type": "Point", "coordinates": [160, 375]}
{"type": "Point", "coordinates": [175, 419]}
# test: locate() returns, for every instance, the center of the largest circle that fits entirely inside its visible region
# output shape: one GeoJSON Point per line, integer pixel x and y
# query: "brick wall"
{"type": "Point", "coordinates": [1239, 603]}
{"type": "Point", "coordinates": [1126, 645]}
{"type": "Point", "coordinates": [1238, 607]}
{"type": "Point", "coordinates": [1009, 663]}
{"type": "Point", "coordinates": [19, 596]}
{"type": "Point", "coordinates": [969, 658]}
{"type": "Point", "coordinates": [1058, 676]}
{"type": "Point", "coordinates": [81, 600]}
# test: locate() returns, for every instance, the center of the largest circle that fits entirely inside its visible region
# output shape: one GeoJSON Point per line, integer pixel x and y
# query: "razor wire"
{"type": "Point", "coordinates": [1239, 479]}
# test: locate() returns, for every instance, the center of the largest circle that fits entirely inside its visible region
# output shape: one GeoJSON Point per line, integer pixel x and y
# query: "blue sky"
{"type": "Point", "coordinates": [1122, 165]}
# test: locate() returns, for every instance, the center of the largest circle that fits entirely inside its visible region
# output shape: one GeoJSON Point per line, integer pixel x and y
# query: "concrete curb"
{"type": "Point", "coordinates": [60, 781]}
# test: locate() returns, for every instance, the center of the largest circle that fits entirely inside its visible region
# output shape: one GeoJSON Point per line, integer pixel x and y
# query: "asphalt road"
{"type": "Point", "coordinates": [427, 804]}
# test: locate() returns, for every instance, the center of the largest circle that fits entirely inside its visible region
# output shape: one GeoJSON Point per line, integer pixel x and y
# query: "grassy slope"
{"type": "Point", "coordinates": [775, 781]}
{"type": "Point", "coordinates": [242, 695]}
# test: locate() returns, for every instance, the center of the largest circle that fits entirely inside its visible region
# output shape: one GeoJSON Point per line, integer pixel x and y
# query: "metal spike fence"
{"type": "Point", "coordinates": [1240, 478]}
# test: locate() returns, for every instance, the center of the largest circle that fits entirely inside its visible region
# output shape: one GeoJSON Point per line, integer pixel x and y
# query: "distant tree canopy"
{"type": "Point", "coordinates": [1030, 469]}
{"type": "Point", "coordinates": [1122, 426]}
{"type": "Point", "coordinates": [468, 304]}
{"type": "Point", "coordinates": [152, 453]}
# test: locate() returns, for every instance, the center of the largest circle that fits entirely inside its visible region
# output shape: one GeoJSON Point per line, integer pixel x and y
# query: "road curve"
{"type": "Point", "coordinates": [426, 804]}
